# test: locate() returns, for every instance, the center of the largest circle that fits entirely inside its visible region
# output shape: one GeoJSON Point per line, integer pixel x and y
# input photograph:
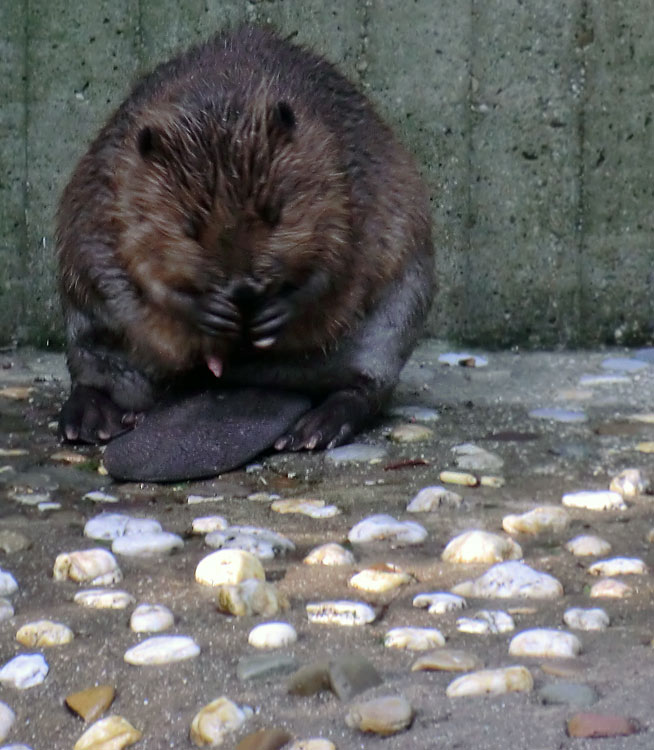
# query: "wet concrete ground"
{"type": "Point", "coordinates": [488, 406]}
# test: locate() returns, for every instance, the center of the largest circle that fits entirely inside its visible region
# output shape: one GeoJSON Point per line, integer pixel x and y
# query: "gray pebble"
{"type": "Point", "coordinates": [262, 666]}
{"type": "Point", "coordinates": [569, 693]}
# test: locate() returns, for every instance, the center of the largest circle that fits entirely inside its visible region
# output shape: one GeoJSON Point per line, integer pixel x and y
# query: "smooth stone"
{"type": "Point", "coordinates": [16, 392]}
{"type": "Point", "coordinates": [265, 739]}
{"type": "Point", "coordinates": [384, 528]}
{"type": "Point", "coordinates": [91, 703]}
{"type": "Point", "coordinates": [110, 526]}
{"type": "Point", "coordinates": [251, 597]}
{"type": "Point", "coordinates": [68, 457]}
{"type": "Point", "coordinates": [14, 747]}
{"type": "Point", "coordinates": [645, 355]}
{"type": "Point", "coordinates": [414, 413]}
{"type": "Point", "coordinates": [447, 660]}
{"type": "Point", "coordinates": [486, 622]}
{"type": "Point", "coordinates": [384, 716]}
{"type": "Point", "coordinates": [346, 613]}
{"type": "Point", "coordinates": [6, 609]}
{"type": "Point", "coordinates": [103, 599]}
{"type": "Point", "coordinates": [217, 720]}
{"type": "Point", "coordinates": [594, 500]}
{"type": "Point", "coordinates": [30, 497]}
{"type": "Point", "coordinates": [162, 649]}
{"type": "Point", "coordinates": [410, 433]}
{"type": "Point", "coordinates": [112, 733]}
{"type": "Point", "coordinates": [618, 566]}
{"type": "Point", "coordinates": [545, 643]}
{"type": "Point", "coordinates": [414, 639]}
{"type": "Point", "coordinates": [623, 364]}
{"type": "Point", "coordinates": [43, 634]}
{"type": "Point", "coordinates": [350, 675]}
{"type": "Point", "coordinates": [462, 478]}
{"type": "Point", "coordinates": [313, 743]}
{"type": "Point", "coordinates": [264, 544]}
{"type": "Point", "coordinates": [97, 496]}
{"type": "Point", "coordinates": [610, 588]}
{"type": "Point", "coordinates": [228, 566]}
{"type": "Point", "coordinates": [310, 679]}
{"type": "Point", "coordinates": [566, 668]}
{"type": "Point", "coordinates": [7, 719]}
{"type": "Point", "coordinates": [545, 518]}
{"type": "Point", "coordinates": [587, 545]}
{"type": "Point", "coordinates": [263, 497]}
{"type": "Point", "coordinates": [199, 499]}
{"type": "Point", "coordinates": [16, 452]}
{"type": "Point", "coordinates": [24, 671]}
{"type": "Point", "coordinates": [355, 453]}
{"type": "Point", "coordinates": [207, 524]}
{"type": "Point", "coordinates": [379, 580]}
{"type": "Point", "coordinates": [439, 602]}
{"type": "Point", "coordinates": [95, 566]}
{"type": "Point", "coordinates": [263, 666]}
{"type": "Point", "coordinates": [462, 359]}
{"type": "Point", "coordinates": [471, 457]}
{"type": "Point", "coordinates": [481, 547]}
{"type": "Point", "coordinates": [151, 618]}
{"type": "Point", "coordinates": [586, 619]}
{"type": "Point", "coordinates": [306, 507]}
{"type": "Point", "coordinates": [152, 544]}
{"type": "Point", "coordinates": [203, 434]}
{"type": "Point", "coordinates": [647, 446]}
{"type": "Point", "coordinates": [13, 541]}
{"type": "Point", "coordinates": [491, 682]}
{"type": "Point", "coordinates": [434, 498]}
{"type": "Point", "coordinates": [559, 415]}
{"type": "Point", "coordinates": [330, 554]}
{"type": "Point", "coordinates": [509, 580]}
{"type": "Point", "coordinates": [588, 381]}
{"type": "Point", "coordinates": [601, 725]}
{"type": "Point", "coordinates": [491, 481]}
{"type": "Point", "coordinates": [8, 583]}
{"type": "Point", "coordinates": [630, 483]}
{"type": "Point", "coordinates": [568, 693]}
{"type": "Point", "coordinates": [272, 635]}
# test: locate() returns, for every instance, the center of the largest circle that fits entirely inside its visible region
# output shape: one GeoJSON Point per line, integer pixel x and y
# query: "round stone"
{"type": "Point", "coordinates": [491, 682]}
{"type": "Point", "coordinates": [511, 580]}
{"type": "Point", "coordinates": [272, 635]}
{"type": "Point", "coordinates": [486, 622]}
{"type": "Point", "coordinates": [545, 518]}
{"type": "Point", "coordinates": [112, 733]}
{"type": "Point", "coordinates": [630, 483]}
{"type": "Point", "coordinates": [587, 545]}
{"type": "Point", "coordinates": [306, 507]}
{"type": "Point", "coordinates": [439, 602]}
{"type": "Point", "coordinates": [151, 618]}
{"type": "Point", "coordinates": [8, 583]}
{"type": "Point", "coordinates": [207, 524]}
{"type": "Point", "coordinates": [414, 639]}
{"type": "Point", "coordinates": [384, 528]}
{"type": "Point", "coordinates": [228, 566]}
{"type": "Point", "coordinates": [379, 580]}
{"type": "Point", "coordinates": [341, 613]}
{"type": "Point", "coordinates": [103, 599]}
{"type": "Point", "coordinates": [594, 500]}
{"type": "Point", "coordinates": [481, 547]}
{"type": "Point", "coordinates": [586, 619]}
{"type": "Point", "coordinates": [218, 720]}
{"type": "Point", "coordinates": [384, 716]}
{"type": "Point", "coordinates": [330, 554]}
{"type": "Point", "coordinates": [355, 453]}
{"type": "Point", "coordinates": [434, 498]}
{"type": "Point", "coordinates": [545, 643]}
{"type": "Point", "coordinates": [447, 660]}
{"type": "Point", "coordinates": [24, 671]}
{"type": "Point", "coordinates": [410, 433]}
{"type": "Point", "coordinates": [149, 544]}
{"type": "Point", "coordinates": [610, 588]}
{"type": "Point", "coordinates": [7, 719]}
{"type": "Point", "coordinates": [162, 649]}
{"type": "Point", "coordinates": [110, 526]}
{"type": "Point", "coordinates": [618, 566]}
{"type": "Point", "coordinates": [95, 566]}
{"type": "Point", "coordinates": [471, 457]}
{"type": "Point", "coordinates": [251, 597]}
{"type": "Point", "coordinates": [44, 634]}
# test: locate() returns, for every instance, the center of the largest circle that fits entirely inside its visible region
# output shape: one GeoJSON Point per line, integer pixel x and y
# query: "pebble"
{"type": "Point", "coordinates": [471, 457]}
{"type": "Point", "coordinates": [13, 541]}
{"type": "Point", "coordinates": [6, 610]}
{"type": "Point", "coordinates": [491, 681]}
{"type": "Point", "coordinates": [272, 635]}
{"type": "Point", "coordinates": [250, 597]}
{"type": "Point", "coordinates": [162, 649]}
{"type": "Point", "coordinates": [228, 566]}
{"type": "Point", "coordinates": [594, 500]}
{"type": "Point", "coordinates": [110, 526]}
{"type": "Point", "coordinates": [68, 457]}
{"type": "Point", "coordinates": [385, 715]}
{"type": "Point", "coordinates": [8, 585]}
{"type": "Point", "coordinates": [112, 733]}
{"type": "Point", "coordinates": [104, 599]}
{"type": "Point", "coordinates": [95, 566]}
{"type": "Point", "coordinates": [568, 693]}
{"type": "Point", "coordinates": [264, 544]}
{"type": "Point", "coordinates": [601, 725]}
{"type": "Point", "coordinates": [486, 622]}
{"type": "Point", "coordinates": [151, 618]}
{"type": "Point", "coordinates": [265, 739]}
{"type": "Point", "coordinates": [646, 446]}
{"type": "Point", "coordinates": [43, 507]}
{"type": "Point", "coordinates": [623, 364]}
{"type": "Point", "coordinates": [414, 639]}
{"type": "Point", "coordinates": [381, 527]}
{"type": "Point", "coordinates": [588, 381]}
{"type": "Point", "coordinates": [414, 413]}
{"type": "Point", "coordinates": [207, 524]}
{"type": "Point", "coordinates": [462, 359]}
{"type": "Point", "coordinates": [618, 566]}
{"type": "Point", "coordinates": [587, 545]}
{"type": "Point", "coordinates": [346, 613]}
{"type": "Point", "coordinates": [24, 671]}
{"type": "Point", "coordinates": [306, 507]}
{"type": "Point", "coordinates": [151, 544]}
{"type": "Point", "coordinates": [439, 602]}
{"type": "Point", "coordinates": [218, 719]}
{"type": "Point", "coordinates": [434, 498]}
{"type": "Point", "coordinates": [314, 743]}
{"type": "Point", "coordinates": [380, 580]}
{"type": "Point", "coordinates": [355, 453]}
{"type": "Point", "coordinates": [559, 415]}
{"type": "Point", "coordinates": [410, 433]}
{"type": "Point", "coordinates": [511, 580]}
{"type": "Point", "coordinates": [490, 481]}
{"type": "Point", "coordinates": [481, 547]}
{"type": "Point", "coordinates": [199, 499]}
{"type": "Point", "coordinates": [310, 679]}
{"type": "Point", "coordinates": [97, 496]}
{"type": "Point", "coordinates": [350, 675]}
{"type": "Point", "coordinates": [586, 619]}
{"type": "Point", "coordinates": [30, 497]}
{"type": "Point", "coordinates": [330, 554]}
{"type": "Point", "coordinates": [43, 634]}
{"type": "Point", "coordinates": [447, 660]}
{"type": "Point", "coordinates": [610, 588]}
{"type": "Point", "coordinates": [91, 703]}
{"type": "Point", "coordinates": [545, 643]}
{"type": "Point", "coordinates": [17, 392]}
{"type": "Point", "coordinates": [263, 666]}
{"type": "Point", "coordinates": [545, 518]}
{"type": "Point", "coordinates": [16, 452]}
{"type": "Point", "coordinates": [7, 719]}
{"type": "Point", "coordinates": [566, 668]}
{"type": "Point", "coordinates": [630, 483]}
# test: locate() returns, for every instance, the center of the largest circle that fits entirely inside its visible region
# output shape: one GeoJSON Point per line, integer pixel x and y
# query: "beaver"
{"type": "Point", "coordinates": [244, 218]}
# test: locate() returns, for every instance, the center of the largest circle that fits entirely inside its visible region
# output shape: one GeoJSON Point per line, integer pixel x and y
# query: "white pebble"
{"type": "Point", "coordinates": [43, 507]}
{"type": "Point", "coordinates": [95, 566]}
{"type": "Point", "coordinates": [228, 566]}
{"type": "Point", "coordinates": [306, 507]}
{"type": "Point", "coordinates": [262, 543]}
{"type": "Point", "coordinates": [618, 566]}
{"type": "Point", "coordinates": [272, 635]}
{"type": "Point", "coordinates": [439, 602]}
{"type": "Point", "coordinates": [486, 622]}
{"type": "Point", "coordinates": [610, 588]}
{"type": "Point", "coordinates": [410, 433]}
{"type": "Point", "coordinates": [379, 580]}
{"type": "Point", "coordinates": [630, 483]}
{"type": "Point", "coordinates": [587, 545]}
{"type": "Point", "coordinates": [594, 500]}
{"type": "Point", "coordinates": [623, 364]}
{"type": "Point", "coordinates": [588, 381]}
{"type": "Point", "coordinates": [199, 499]}
{"type": "Point", "coordinates": [151, 618]}
{"type": "Point", "coordinates": [511, 580]}
{"type": "Point", "coordinates": [559, 415]}
{"type": "Point", "coordinates": [44, 634]}
{"type": "Point", "coordinates": [463, 359]}
{"type": "Point", "coordinates": [110, 526]}
{"type": "Point", "coordinates": [471, 457]}
{"type": "Point", "coordinates": [481, 547]}
{"type": "Point", "coordinates": [433, 498]}
{"type": "Point", "coordinates": [414, 639]}
{"type": "Point", "coordinates": [330, 554]}
{"type": "Point", "coordinates": [545, 518]}
{"type": "Point", "coordinates": [98, 496]}
{"type": "Point", "coordinates": [341, 613]}
{"type": "Point", "coordinates": [414, 413]}
{"type": "Point", "coordinates": [207, 524]}
{"type": "Point", "coordinates": [586, 619]}
{"type": "Point", "coordinates": [24, 671]}
{"type": "Point", "coordinates": [111, 733]}
{"type": "Point", "coordinates": [162, 649]}
{"type": "Point", "coordinates": [491, 682]}
{"type": "Point", "coordinates": [220, 718]}
{"type": "Point", "coordinates": [149, 544]}
{"type": "Point", "coordinates": [104, 599]}
{"type": "Point", "coordinates": [250, 597]}
{"type": "Point", "coordinates": [8, 583]}
{"type": "Point", "coordinates": [355, 453]}
{"type": "Point", "coordinates": [313, 743]}
{"type": "Point", "coordinates": [545, 643]}
{"type": "Point", "coordinates": [30, 498]}
{"type": "Point", "coordinates": [385, 528]}
{"type": "Point", "coordinates": [462, 478]}
{"type": "Point", "coordinates": [7, 719]}
{"type": "Point", "coordinates": [6, 609]}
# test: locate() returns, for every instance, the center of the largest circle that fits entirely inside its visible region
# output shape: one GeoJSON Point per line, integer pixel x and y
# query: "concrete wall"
{"type": "Point", "coordinates": [532, 122]}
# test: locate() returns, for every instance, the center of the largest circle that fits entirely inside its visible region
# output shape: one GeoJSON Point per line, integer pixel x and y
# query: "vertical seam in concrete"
{"type": "Point", "coordinates": [24, 251]}
{"type": "Point", "coordinates": [140, 43]}
{"type": "Point", "coordinates": [361, 64]}
{"type": "Point", "coordinates": [580, 333]}
{"type": "Point", "coordinates": [464, 329]}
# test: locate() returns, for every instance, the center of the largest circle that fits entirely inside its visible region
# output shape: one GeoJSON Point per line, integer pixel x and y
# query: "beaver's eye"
{"type": "Point", "coordinates": [190, 228]}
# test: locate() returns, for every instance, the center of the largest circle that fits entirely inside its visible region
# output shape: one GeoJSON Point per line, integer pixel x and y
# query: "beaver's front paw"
{"type": "Point", "coordinates": [90, 416]}
{"type": "Point", "coordinates": [217, 316]}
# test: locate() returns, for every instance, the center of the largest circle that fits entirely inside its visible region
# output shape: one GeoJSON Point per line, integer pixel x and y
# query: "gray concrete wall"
{"type": "Point", "coordinates": [532, 122]}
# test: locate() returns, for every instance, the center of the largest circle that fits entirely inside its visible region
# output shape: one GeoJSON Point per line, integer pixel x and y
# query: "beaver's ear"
{"type": "Point", "coordinates": [284, 116]}
{"type": "Point", "coordinates": [149, 142]}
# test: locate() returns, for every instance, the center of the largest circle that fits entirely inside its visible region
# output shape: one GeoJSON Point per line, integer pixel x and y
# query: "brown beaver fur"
{"type": "Point", "coordinates": [243, 213]}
